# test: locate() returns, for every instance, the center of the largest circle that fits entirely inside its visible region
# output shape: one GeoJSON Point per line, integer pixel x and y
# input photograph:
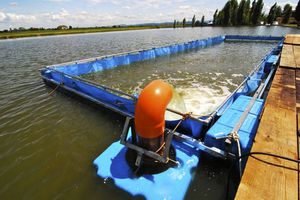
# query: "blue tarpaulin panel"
{"type": "Point", "coordinates": [126, 59]}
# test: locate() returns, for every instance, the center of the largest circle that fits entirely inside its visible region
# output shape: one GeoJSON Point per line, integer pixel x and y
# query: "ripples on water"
{"type": "Point", "coordinates": [203, 77]}
{"type": "Point", "coordinates": [48, 143]}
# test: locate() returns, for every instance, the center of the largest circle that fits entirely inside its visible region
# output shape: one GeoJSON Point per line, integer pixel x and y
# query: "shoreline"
{"type": "Point", "coordinates": [54, 32]}
{"type": "Point", "coordinates": [42, 33]}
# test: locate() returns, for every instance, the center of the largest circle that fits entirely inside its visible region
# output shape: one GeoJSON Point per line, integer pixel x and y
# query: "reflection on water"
{"type": "Point", "coordinates": [48, 143]}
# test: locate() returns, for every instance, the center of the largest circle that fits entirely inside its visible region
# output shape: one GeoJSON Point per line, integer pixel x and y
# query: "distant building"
{"type": "Point", "coordinates": [292, 20]}
{"type": "Point", "coordinates": [210, 23]}
{"type": "Point", "coordinates": [62, 27]}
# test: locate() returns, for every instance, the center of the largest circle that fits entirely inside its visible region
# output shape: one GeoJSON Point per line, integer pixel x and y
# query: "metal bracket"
{"type": "Point", "coordinates": [181, 137]}
{"type": "Point", "coordinates": [141, 151]}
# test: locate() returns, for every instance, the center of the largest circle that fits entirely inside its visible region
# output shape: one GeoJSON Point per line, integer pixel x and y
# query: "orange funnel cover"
{"type": "Point", "coordinates": [150, 109]}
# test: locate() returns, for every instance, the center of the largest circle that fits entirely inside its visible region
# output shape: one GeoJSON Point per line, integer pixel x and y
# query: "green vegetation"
{"type": "Point", "coordinates": [287, 12]}
{"type": "Point", "coordinates": [202, 21]}
{"type": "Point", "coordinates": [297, 13]}
{"type": "Point", "coordinates": [193, 21]}
{"type": "Point", "coordinates": [234, 13]}
{"type": "Point", "coordinates": [272, 15]}
{"type": "Point", "coordinates": [183, 22]}
{"type": "Point", "coordinates": [48, 32]}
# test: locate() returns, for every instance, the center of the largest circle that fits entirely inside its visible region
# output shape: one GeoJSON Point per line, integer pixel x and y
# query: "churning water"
{"type": "Point", "coordinates": [203, 77]}
{"type": "Point", "coordinates": [48, 143]}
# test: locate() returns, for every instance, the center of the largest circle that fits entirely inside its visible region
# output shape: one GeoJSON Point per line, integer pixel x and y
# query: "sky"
{"type": "Point", "coordinates": [84, 13]}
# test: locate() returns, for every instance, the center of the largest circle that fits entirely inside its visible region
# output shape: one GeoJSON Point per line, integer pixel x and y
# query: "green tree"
{"type": "Point", "coordinates": [202, 21]}
{"type": "Point", "coordinates": [247, 13]}
{"type": "Point", "coordinates": [183, 22]}
{"type": "Point", "coordinates": [241, 13]}
{"type": "Point", "coordinates": [257, 11]}
{"type": "Point", "coordinates": [253, 5]}
{"type": "Point", "coordinates": [226, 10]}
{"type": "Point", "coordinates": [197, 23]}
{"type": "Point", "coordinates": [271, 16]}
{"type": "Point", "coordinates": [215, 17]}
{"type": "Point", "coordinates": [278, 12]}
{"type": "Point", "coordinates": [193, 21]}
{"type": "Point", "coordinates": [233, 11]}
{"type": "Point", "coordinates": [174, 24]}
{"type": "Point", "coordinates": [286, 14]}
{"type": "Point", "coordinates": [263, 18]}
{"type": "Point", "coordinates": [220, 18]}
{"type": "Point", "coordinates": [297, 13]}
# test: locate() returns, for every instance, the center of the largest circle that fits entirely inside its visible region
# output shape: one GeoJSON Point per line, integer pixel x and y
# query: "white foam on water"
{"type": "Point", "coordinates": [218, 74]}
{"type": "Point", "coordinates": [237, 75]}
{"type": "Point", "coordinates": [195, 97]}
{"type": "Point", "coordinates": [230, 82]}
{"type": "Point", "coordinates": [202, 100]}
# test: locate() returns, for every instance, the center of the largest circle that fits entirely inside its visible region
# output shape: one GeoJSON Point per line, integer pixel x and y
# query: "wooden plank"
{"type": "Point", "coordinates": [289, 39]}
{"type": "Point", "coordinates": [296, 40]}
{"type": "Point", "coordinates": [298, 95]}
{"type": "Point", "coordinates": [287, 57]}
{"type": "Point", "coordinates": [276, 134]}
{"type": "Point", "coordinates": [297, 55]}
{"type": "Point", "coordinates": [293, 39]}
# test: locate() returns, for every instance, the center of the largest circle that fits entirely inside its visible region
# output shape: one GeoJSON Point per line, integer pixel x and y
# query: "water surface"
{"type": "Point", "coordinates": [48, 143]}
{"type": "Point", "coordinates": [202, 77]}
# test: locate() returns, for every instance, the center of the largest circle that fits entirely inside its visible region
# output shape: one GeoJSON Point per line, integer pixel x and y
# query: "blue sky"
{"type": "Point", "coordinates": [51, 13]}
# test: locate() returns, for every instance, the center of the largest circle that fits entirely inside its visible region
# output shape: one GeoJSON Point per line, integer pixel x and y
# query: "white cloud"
{"type": "Point", "coordinates": [2, 16]}
{"type": "Point", "coordinates": [282, 4]}
{"type": "Point", "coordinates": [267, 7]}
{"type": "Point", "coordinates": [16, 18]}
{"type": "Point", "coordinates": [110, 12]}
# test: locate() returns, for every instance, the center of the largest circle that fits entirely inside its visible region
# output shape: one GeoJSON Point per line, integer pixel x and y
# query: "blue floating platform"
{"type": "Point", "coordinates": [272, 60]}
{"type": "Point", "coordinates": [230, 118]}
{"type": "Point", "coordinates": [170, 184]}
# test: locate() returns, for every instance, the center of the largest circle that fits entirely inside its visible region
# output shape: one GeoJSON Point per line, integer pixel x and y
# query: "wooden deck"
{"type": "Point", "coordinates": [277, 133]}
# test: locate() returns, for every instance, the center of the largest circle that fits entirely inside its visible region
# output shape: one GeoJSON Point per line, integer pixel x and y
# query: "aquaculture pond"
{"type": "Point", "coordinates": [48, 142]}
{"type": "Point", "coordinates": [202, 77]}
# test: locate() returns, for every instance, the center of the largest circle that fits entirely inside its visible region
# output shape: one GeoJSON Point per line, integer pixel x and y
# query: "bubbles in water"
{"type": "Point", "coordinates": [177, 104]}
{"type": "Point", "coordinates": [202, 100]}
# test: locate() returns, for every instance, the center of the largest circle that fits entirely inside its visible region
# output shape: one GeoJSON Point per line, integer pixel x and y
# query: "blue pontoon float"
{"type": "Point", "coordinates": [226, 133]}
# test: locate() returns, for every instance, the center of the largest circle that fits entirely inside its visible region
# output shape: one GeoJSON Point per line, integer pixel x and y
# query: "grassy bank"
{"type": "Point", "coordinates": [290, 25]}
{"type": "Point", "coordinates": [37, 33]}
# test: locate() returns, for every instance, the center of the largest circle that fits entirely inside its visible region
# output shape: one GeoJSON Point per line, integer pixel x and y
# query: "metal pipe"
{"type": "Point", "coordinates": [266, 83]}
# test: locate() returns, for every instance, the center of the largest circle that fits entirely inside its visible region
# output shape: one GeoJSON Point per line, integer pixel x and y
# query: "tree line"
{"type": "Point", "coordinates": [251, 13]}
{"type": "Point", "coordinates": [246, 13]}
{"type": "Point", "coordinates": [193, 23]}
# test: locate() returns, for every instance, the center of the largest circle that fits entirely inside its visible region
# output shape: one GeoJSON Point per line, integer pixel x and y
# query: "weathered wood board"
{"type": "Point", "coordinates": [287, 57]}
{"type": "Point", "coordinates": [277, 134]}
